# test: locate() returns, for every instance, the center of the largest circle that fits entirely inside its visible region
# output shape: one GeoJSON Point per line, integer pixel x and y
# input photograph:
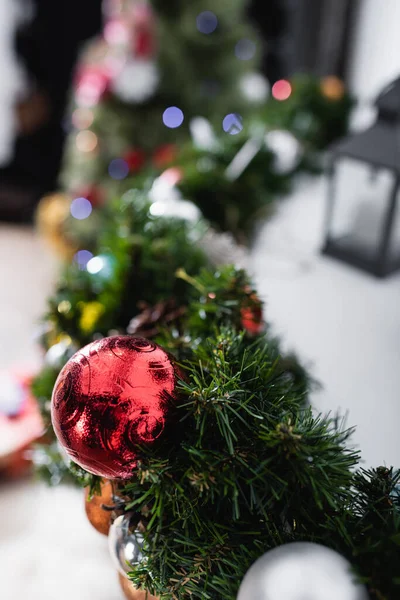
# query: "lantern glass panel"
{"type": "Point", "coordinates": [360, 206]}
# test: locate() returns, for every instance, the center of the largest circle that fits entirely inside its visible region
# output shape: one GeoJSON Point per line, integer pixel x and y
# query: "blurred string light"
{"type": "Point", "coordinates": [206, 22]}
{"type": "Point", "coordinates": [86, 141]}
{"type": "Point", "coordinates": [101, 265]}
{"type": "Point", "coordinates": [95, 265]}
{"type": "Point", "coordinates": [173, 117]}
{"type": "Point", "coordinates": [82, 257]}
{"type": "Point", "coordinates": [118, 168]}
{"type": "Point", "coordinates": [82, 118]}
{"type": "Point", "coordinates": [254, 87]}
{"type": "Point", "coordinates": [81, 208]}
{"type": "Point", "coordinates": [245, 49]}
{"type": "Point", "coordinates": [232, 123]}
{"type": "Point", "coordinates": [281, 90]}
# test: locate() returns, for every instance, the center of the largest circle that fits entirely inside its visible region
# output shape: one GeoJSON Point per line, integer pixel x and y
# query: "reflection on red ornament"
{"type": "Point", "coordinates": [281, 90]}
{"type": "Point", "coordinates": [112, 398]}
{"type": "Point", "coordinates": [135, 159]}
{"type": "Point", "coordinates": [252, 318]}
{"type": "Point", "coordinates": [164, 155]}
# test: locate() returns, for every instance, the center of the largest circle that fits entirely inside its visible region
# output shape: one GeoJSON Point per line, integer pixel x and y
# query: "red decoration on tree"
{"type": "Point", "coordinates": [144, 30]}
{"type": "Point", "coordinates": [164, 155]}
{"type": "Point", "coordinates": [93, 193]}
{"type": "Point", "coordinates": [135, 160]}
{"type": "Point", "coordinates": [252, 315]}
{"type": "Point", "coordinates": [92, 83]}
{"type": "Point", "coordinates": [114, 395]}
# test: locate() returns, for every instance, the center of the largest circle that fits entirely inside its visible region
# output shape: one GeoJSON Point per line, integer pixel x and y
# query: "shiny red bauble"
{"type": "Point", "coordinates": [111, 398]}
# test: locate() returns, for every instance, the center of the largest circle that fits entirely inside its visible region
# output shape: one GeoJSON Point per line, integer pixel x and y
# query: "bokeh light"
{"type": "Point", "coordinates": [95, 265]}
{"type": "Point", "coordinates": [232, 123]}
{"type": "Point", "coordinates": [245, 49]}
{"type": "Point", "coordinates": [118, 168]}
{"type": "Point", "coordinates": [116, 32]}
{"type": "Point", "coordinates": [86, 141]}
{"type": "Point", "coordinates": [82, 118]}
{"type": "Point", "coordinates": [80, 208]}
{"type": "Point", "coordinates": [82, 257]}
{"type": "Point", "coordinates": [172, 176]}
{"type": "Point", "coordinates": [173, 117]}
{"type": "Point", "coordinates": [281, 90]}
{"type": "Point", "coordinates": [91, 86]}
{"type": "Point", "coordinates": [206, 22]}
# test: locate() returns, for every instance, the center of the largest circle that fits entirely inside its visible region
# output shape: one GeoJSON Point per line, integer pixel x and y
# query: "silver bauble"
{"type": "Point", "coordinates": [301, 571]}
{"type": "Point", "coordinates": [125, 545]}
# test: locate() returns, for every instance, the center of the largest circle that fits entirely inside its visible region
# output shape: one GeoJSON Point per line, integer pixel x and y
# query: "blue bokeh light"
{"type": "Point", "coordinates": [206, 22]}
{"type": "Point", "coordinates": [232, 123]}
{"type": "Point", "coordinates": [82, 258]}
{"type": "Point", "coordinates": [118, 168]}
{"type": "Point", "coordinates": [173, 117]}
{"type": "Point", "coordinates": [245, 49]}
{"type": "Point", "coordinates": [80, 208]}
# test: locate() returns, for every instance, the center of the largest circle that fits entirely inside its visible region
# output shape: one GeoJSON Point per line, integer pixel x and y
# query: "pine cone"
{"type": "Point", "coordinates": [147, 323]}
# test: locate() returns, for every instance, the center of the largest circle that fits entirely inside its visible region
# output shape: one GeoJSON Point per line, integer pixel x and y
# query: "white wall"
{"type": "Point", "coordinates": [376, 47]}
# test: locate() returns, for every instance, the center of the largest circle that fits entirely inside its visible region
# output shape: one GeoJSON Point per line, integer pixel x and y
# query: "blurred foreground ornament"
{"type": "Point", "coordinates": [332, 88]}
{"type": "Point", "coordinates": [286, 149]}
{"type": "Point", "coordinates": [51, 217]}
{"type": "Point", "coordinates": [131, 592]}
{"type": "Point", "coordinates": [299, 571]}
{"type": "Point", "coordinates": [125, 544]}
{"type": "Point", "coordinates": [20, 423]}
{"type": "Point", "coordinates": [98, 517]}
{"type": "Point", "coordinates": [113, 396]}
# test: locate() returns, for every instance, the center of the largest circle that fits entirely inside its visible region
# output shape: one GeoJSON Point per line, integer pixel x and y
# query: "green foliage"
{"type": "Point", "coordinates": [244, 465]}
{"type": "Point", "coordinates": [140, 254]}
{"type": "Point", "coordinates": [312, 116]}
{"type": "Point", "coordinates": [233, 206]}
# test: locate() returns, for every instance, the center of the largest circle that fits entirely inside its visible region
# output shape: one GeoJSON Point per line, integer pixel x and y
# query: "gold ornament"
{"type": "Point", "coordinates": [51, 216]}
{"type": "Point", "coordinates": [90, 314]}
{"type": "Point", "coordinates": [131, 592]}
{"type": "Point", "coordinates": [97, 516]}
{"type": "Point", "coordinates": [332, 88]}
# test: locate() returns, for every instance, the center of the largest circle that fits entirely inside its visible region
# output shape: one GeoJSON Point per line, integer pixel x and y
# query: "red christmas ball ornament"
{"type": "Point", "coordinates": [112, 397]}
{"type": "Point", "coordinates": [252, 316]}
{"type": "Point", "coordinates": [164, 155]}
{"type": "Point", "coordinates": [135, 160]}
{"type": "Point", "coordinates": [93, 193]}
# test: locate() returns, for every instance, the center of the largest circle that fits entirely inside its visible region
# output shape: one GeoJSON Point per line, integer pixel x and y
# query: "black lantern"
{"type": "Point", "coordinates": [367, 236]}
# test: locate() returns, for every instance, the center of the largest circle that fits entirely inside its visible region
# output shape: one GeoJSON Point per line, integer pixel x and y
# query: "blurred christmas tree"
{"type": "Point", "coordinates": [158, 65]}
